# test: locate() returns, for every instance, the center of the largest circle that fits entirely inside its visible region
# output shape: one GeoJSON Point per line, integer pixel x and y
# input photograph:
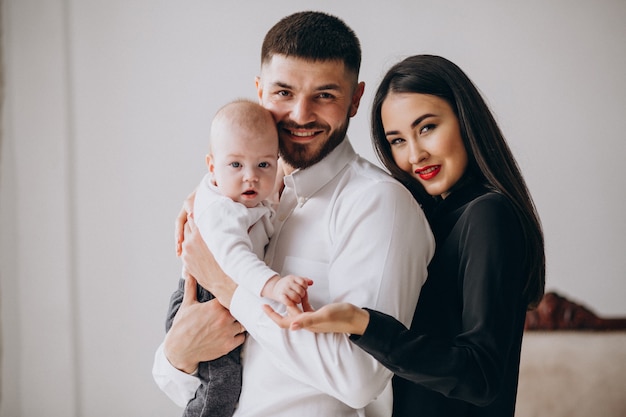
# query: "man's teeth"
{"type": "Point", "coordinates": [302, 134]}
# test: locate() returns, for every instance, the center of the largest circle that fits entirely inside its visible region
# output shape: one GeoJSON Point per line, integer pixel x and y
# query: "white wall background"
{"type": "Point", "coordinates": [107, 109]}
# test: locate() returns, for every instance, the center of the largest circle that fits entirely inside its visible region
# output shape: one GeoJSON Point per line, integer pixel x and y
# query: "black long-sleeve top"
{"type": "Point", "coordinates": [461, 355]}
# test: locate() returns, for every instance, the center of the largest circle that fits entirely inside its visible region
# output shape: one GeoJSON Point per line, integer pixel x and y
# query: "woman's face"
{"type": "Point", "coordinates": [425, 140]}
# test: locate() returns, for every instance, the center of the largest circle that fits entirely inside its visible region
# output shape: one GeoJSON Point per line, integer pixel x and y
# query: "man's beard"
{"type": "Point", "coordinates": [299, 156]}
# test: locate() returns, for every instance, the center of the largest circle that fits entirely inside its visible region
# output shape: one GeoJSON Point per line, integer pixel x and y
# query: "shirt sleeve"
{"type": "Point", "coordinates": [177, 385]}
{"type": "Point", "coordinates": [470, 365]}
{"type": "Point", "coordinates": [375, 263]}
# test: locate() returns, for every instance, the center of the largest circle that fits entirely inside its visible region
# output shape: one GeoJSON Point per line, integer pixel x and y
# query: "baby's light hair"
{"type": "Point", "coordinates": [243, 114]}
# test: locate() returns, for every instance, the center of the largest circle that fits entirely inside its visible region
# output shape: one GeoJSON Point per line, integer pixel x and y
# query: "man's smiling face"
{"type": "Point", "coordinates": [312, 103]}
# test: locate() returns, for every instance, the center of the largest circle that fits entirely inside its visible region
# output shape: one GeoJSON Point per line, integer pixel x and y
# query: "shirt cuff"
{"type": "Point", "coordinates": [177, 385]}
{"type": "Point", "coordinates": [247, 308]}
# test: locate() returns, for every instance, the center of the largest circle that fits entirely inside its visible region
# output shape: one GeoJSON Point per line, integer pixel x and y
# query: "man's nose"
{"type": "Point", "coordinates": [302, 111]}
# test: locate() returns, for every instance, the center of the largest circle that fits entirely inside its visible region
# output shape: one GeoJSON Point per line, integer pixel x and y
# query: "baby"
{"type": "Point", "coordinates": [235, 220]}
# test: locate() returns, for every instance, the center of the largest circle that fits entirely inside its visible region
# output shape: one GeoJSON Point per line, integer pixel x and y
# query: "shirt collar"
{"type": "Point", "coordinates": [306, 182]}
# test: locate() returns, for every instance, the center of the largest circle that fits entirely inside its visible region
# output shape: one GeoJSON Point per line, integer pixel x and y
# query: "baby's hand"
{"type": "Point", "coordinates": [288, 290]}
{"type": "Point", "coordinates": [292, 289]}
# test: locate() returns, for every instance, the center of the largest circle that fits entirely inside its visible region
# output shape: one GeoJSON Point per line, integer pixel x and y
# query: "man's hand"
{"type": "Point", "coordinates": [181, 219]}
{"type": "Point", "coordinates": [200, 331]}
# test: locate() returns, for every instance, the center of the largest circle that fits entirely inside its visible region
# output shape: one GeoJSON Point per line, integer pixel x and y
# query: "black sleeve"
{"type": "Point", "coordinates": [469, 365]}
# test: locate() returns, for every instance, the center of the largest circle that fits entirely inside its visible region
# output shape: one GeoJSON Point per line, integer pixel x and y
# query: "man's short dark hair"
{"type": "Point", "coordinates": [314, 36]}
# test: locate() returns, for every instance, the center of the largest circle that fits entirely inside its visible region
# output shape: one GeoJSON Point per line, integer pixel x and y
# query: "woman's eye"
{"type": "Point", "coordinates": [396, 141]}
{"type": "Point", "coordinates": [427, 128]}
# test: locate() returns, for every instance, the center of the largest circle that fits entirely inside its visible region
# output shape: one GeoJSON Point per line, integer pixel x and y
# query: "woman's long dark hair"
{"type": "Point", "coordinates": [490, 160]}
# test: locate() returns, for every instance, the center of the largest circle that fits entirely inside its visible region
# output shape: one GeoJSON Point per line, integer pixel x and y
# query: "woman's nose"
{"type": "Point", "coordinates": [416, 153]}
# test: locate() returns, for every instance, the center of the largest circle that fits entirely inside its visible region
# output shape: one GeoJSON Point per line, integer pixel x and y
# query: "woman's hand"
{"type": "Point", "coordinates": [332, 318]}
{"type": "Point", "coordinates": [181, 219]}
{"type": "Point", "coordinates": [200, 263]}
{"type": "Point", "coordinates": [200, 331]}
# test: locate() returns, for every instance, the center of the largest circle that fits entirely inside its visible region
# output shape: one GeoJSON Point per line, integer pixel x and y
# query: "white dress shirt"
{"type": "Point", "coordinates": [362, 238]}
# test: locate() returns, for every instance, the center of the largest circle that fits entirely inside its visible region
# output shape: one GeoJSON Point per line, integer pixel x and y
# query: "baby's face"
{"type": "Point", "coordinates": [244, 163]}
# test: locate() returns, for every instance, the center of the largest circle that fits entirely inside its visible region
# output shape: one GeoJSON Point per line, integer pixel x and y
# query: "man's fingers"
{"type": "Point", "coordinates": [179, 227]}
{"type": "Point", "coordinates": [190, 295]}
{"type": "Point", "coordinates": [186, 228]}
{"type": "Point", "coordinates": [240, 328]}
{"type": "Point", "coordinates": [181, 219]}
{"type": "Point", "coordinates": [186, 237]}
{"type": "Point", "coordinates": [190, 226]}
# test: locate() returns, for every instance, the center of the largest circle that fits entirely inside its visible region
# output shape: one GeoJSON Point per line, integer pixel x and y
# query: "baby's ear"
{"type": "Point", "coordinates": [209, 163]}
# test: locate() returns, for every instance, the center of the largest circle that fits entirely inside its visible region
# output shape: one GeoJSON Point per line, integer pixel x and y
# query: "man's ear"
{"type": "Point", "coordinates": [356, 98]}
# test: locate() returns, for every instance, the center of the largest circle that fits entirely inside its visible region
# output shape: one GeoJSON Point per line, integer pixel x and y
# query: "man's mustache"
{"type": "Point", "coordinates": [295, 126]}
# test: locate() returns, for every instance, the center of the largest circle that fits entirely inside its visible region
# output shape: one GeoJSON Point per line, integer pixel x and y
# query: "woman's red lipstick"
{"type": "Point", "coordinates": [428, 172]}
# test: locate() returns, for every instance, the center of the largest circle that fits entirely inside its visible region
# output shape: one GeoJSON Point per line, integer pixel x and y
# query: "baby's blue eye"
{"type": "Point", "coordinates": [235, 164]}
{"type": "Point", "coordinates": [264, 164]}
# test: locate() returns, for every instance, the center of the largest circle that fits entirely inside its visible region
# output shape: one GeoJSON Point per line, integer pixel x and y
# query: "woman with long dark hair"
{"type": "Point", "coordinates": [434, 132]}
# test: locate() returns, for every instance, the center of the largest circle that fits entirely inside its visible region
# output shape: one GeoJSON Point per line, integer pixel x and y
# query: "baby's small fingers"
{"type": "Point", "coordinates": [304, 282]}
{"type": "Point", "coordinates": [291, 297]}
